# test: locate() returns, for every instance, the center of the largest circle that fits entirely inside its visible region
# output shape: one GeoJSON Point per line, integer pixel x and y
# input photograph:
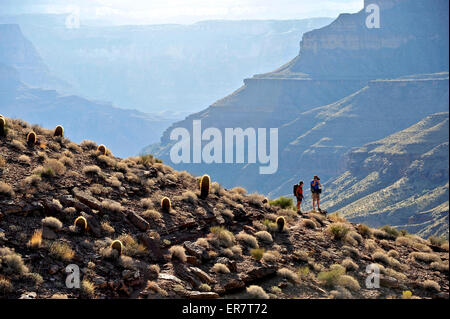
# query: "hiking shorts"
{"type": "Point", "coordinates": [315, 196]}
{"type": "Point", "coordinates": [299, 199]}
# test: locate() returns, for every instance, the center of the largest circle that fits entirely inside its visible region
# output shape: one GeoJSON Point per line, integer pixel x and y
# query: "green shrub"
{"type": "Point", "coordinates": [282, 202]}
{"type": "Point", "coordinates": [257, 253]}
{"type": "Point", "coordinates": [338, 230]}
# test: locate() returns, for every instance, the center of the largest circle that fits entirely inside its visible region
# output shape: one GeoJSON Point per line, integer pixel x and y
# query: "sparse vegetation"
{"type": "Point", "coordinates": [178, 253]}
{"type": "Point", "coordinates": [282, 202]}
{"type": "Point", "coordinates": [257, 292]}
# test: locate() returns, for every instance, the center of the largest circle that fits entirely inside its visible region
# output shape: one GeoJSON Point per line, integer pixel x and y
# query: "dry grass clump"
{"type": "Point", "coordinates": [24, 159]}
{"type": "Point", "coordinates": [393, 253]}
{"type": "Point", "coordinates": [91, 170]}
{"type": "Point", "coordinates": [67, 161]}
{"type": "Point", "coordinates": [87, 289]}
{"type": "Point", "coordinates": [439, 266]}
{"type": "Point", "coordinates": [2, 161]}
{"type": "Point", "coordinates": [257, 253]}
{"type": "Point", "coordinates": [308, 223]}
{"type": "Point", "coordinates": [438, 241]}
{"type": "Point", "coordinates": [349, 264]}
{"type": "Point", "coordinates": [202, 242]}
{"type": "Point", "coordinates": [6, 286]}
{"type": "Point", "coordinates": [52, 222]}
{"type": "Point", "coordinates": [217, 189]}
{"type": "Point", "coordinates": [107, 161]}
{"type": "Point", "coordinates": [364, 230]}
{"type": "Point", "coordinates": [349, 282]}
{"type": "Point", "coordinates": [152, 215]}
{"type": "Point", "coordinates": [381, 234]}
{"type": "Point", "coordinates": [32, 180]}
{"type": "Point", "coordinates": [380, 256]}
{"type": "Point", "coordinates": [147, 203]}
{"type": "Point", "coordinates": [288, 274]}
{"type": "Point", "coordinates": [220, 269]}
{"type": "Point", "coordinates": [257, 292]}
{"type": "Point", "coordinates": [222, 237]}
{"type": "Point", "coordinates": [88, 145]}
{"type": "Point", "coordinates": [425, 257]}
{"type": "Point", "coordinates": [54, 165]}
{"type": "Point", "coordinates": [6, 190]}
{"type": "Point", "coordinates": [12, 263]}
{"type": "Point", "coordinates": [112, 206]}
{"type": "Point", "coordinates": [61, 250]}
{"type": "Point", "coordinates": [239, 190]}
{"type": "Point", "coordinates": [271, 256]}
{"type": "Point", "coordinates": [107, 228]}
{"type": "Point", "coordinates": [131, 247]}
{"type": "Point", "coordinates": [189, 197]}
{"type": "Point", "coordinates": [353, 238]}
{"type": "Point", "coordinates": [431, 285]}
{"type": "Point", "coordinates": [248, 240]}
{"type": "Point", "coordinates": [337, 218]}
{"type": "Point", "coordinates": [18, 145]}
{"type": "Point", "coordinates": [371, 245]}
{"type": "Point", "coordinates": [36, 239]}
{"type": "Point", "coordinates": [255, 199]}
{"type": "Point", "coordinates": [178, 253]}
{"type": "Point", "coordinates": [264, 236]}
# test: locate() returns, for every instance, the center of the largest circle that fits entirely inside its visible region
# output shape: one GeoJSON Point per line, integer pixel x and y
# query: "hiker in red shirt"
{"type": "Point", "coordinates": [299, 196]}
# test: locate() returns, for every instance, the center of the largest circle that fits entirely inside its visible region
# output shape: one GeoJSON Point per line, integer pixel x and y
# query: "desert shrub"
{"type": "Point", "coordinates": [152, 214]}
{"type": "Point", "coordinates": [337, 218]}
{"type": "Point", "coordinates": [257, 253]}
{"type": "Point", "coordinates": [349, 264]}
{"type": "Point", "coordinates": [437, 241]}
{"type": "Point", "coordinates": [271, 256]}
{"type": "Point", "coordinates": [349, 282]}
{"type": "Point", "coordinates": [52, 222]}
{"type": "Point", "coordinates": [222, 236]}
{"type": "Point", "coordinates": [88, 145]}
{"type": "Point", "coordinates": [425, 257]}
{"type": "Point", "coordinates": [239, 190]}
{"type": "Point", "coordinates": [61, 251]}
{"type": "Point", "coordinates": [87, 289]}
{"type": "Point", "coordinates": [220, 268]}
{"type": "Point", "coordinates": [67, 161]}
{"type": "Point", "coordinates": [354, 237]}
{"type": "Point", "coordinates": [189, 197]}
{"type": "Point", "coordinates": [364, 230]}
{"type": "Point", "coordinates": [439, 266]}
{"type": "Point", "coordinates": [91, 170]}
{"type": "Point", "coordinates": [257, 292]}
{"type": "Point", "coordinates": [107, 228]}
{"type": "Point", "coordinates": [394, 232]}
{"type": "Point", "coordinates": [131, 247]}
{"type": "Point", "coordinates": [431, 285]}
{"type": "Point", "coordinates": [204, 287]}
{"type": "Point", "coordinates": [36, 239]}
{"type": "Point", "coordinates": [111, 206]}
{"type": "Point", "coordinates": [331, 278]}
{"type": "Point", "coordinates": [247, 239]}
{"type": "Point", "coordinates": [381, 234]}
{"type": "Point", "coordinates": [18, 145]}
{"type": "Point", "coordinates": [147, 203]}
{"type": "Point", "coordinates": [6, 190]}
{"type": "Point", "coordinates": [24, 159]}
{"type": "Point", "coordinates": [393, 253]}
{"type": "Point", "coordinates": [283, 202]}
{"type": "Point", "coordinates": [203, 242]}
{"type": "Point", "coordinates": [380, 256]}
{"type": "Point", "coordinates": [288, 274]}
{"type": "Point", "coordinates": [2, 161]}
{"type": "Point", "coordinates": [178, 253]}
{"type": "Point", "coordinates": [11, 262]}
{"type": "Point", "coordinates": [308, 223]}
{"type": "Point", "coordinates": [338, 230]}
{"type": "Point", "coordinates": [270, 225]}
{"type": "Point", "coordinates": [6, 286]}
{"type": "Point", "coordinates": [264, 236]}
{"type": "Point", "coordinates": [237, 251]}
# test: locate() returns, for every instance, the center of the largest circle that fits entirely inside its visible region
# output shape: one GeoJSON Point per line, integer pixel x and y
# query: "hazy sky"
{"type": "Point", "coordinates": [183, 11]}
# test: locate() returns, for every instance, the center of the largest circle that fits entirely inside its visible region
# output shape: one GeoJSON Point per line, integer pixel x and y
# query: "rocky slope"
{"type": "Point", "coordinates": [401, 180]}
{"type": "Point", "coordinates": [202, 247]}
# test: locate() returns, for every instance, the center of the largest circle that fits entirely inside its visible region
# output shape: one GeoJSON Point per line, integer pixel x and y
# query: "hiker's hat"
{"type": "Point", "coordinates": [317, 177]}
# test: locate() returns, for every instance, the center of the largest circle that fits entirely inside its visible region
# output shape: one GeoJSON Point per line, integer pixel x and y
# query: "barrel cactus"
{"type": "Point", "coordinates": [31, 138]}
{"type": "Point", "coordinates": [102, 149]}
{"type": "Point", "coordinates": [205, 184]}
{"type": "Point", "coordinates": [81, 223]}
{"type": "Point", "coordinates": [59, 131]}
{"type": "Point", "coordinates": [2, 126]}
{"type": "Point", "coordinates": [281, 222]}
{"type": "Point", "coordinates": [166, 205]}
{"type": "Point", "coordinates": [117, 246]}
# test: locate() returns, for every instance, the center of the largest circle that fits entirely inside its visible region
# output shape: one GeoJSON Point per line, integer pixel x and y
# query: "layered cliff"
{"type": "Point", "coordinates": [400, 180]}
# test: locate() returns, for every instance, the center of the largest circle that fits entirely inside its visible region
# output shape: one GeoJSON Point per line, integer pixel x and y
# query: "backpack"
{"type": "Point", "coordinates": [295, 189]}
